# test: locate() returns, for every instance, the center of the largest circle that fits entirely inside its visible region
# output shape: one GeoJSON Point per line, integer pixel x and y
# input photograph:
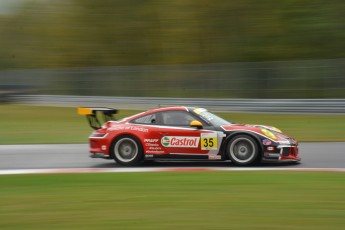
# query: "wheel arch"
{"type": "Point", "coordinates": [234, 134]}
{"type": "Point", "coordinates": [118, 136]}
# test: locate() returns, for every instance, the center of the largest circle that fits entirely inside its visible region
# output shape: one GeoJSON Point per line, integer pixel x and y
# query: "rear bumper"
{"type": "Point", "coordinates": [99, 148]}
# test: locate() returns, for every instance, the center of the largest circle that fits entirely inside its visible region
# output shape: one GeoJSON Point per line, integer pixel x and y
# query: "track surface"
{"type": "Point", "coordinates": [314, 155]}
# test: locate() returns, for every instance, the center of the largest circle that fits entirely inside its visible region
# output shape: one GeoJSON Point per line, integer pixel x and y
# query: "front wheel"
{"type": "Point", "coordinates": [242, 150]}
{"type": "Point", "coordinates": [127, 150]}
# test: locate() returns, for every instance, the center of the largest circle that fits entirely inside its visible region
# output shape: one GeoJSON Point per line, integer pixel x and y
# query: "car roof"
{"type": "Point", "coordinates": [163, 109]}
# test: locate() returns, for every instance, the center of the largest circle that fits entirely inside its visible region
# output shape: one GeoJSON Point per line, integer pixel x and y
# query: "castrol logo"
{"type": "Point", "coordinates": [180, 142]}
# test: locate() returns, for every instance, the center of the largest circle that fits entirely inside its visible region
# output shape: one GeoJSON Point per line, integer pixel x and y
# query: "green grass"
{"type": "Point", "coordinates": [38, 124]}
{"type": "Point", "coordinates": [174, 200]}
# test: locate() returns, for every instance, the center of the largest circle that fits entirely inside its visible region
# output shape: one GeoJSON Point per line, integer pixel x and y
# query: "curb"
{"type": "Point", "coordinates": [181, 169]}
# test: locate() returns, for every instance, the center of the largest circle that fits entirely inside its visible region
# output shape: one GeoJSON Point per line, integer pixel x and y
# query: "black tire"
{"type": "Point", "coordinates": [243, 150]}
{"type": "Point", "coordinates": [127, 150]}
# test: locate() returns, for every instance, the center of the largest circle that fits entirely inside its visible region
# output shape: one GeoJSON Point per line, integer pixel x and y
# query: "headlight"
{"type": "Point", "coordinates": [269, 134]}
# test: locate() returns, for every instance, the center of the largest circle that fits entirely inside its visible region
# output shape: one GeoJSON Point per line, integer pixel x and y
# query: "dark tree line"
{"type": "Point", "coordinates": [78, 33]}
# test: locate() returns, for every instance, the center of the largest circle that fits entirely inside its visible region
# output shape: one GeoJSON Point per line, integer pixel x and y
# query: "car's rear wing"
{"type": "Point", "coordinates": [97, 116]}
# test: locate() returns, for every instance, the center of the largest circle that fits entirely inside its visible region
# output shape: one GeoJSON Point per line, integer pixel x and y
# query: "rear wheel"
{"type": "Point", "coordinates": [242, 150]}
{"type": "Point", "coordinates": [127, 150]}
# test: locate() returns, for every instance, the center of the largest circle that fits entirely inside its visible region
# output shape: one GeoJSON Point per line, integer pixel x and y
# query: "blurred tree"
{"type": "Point", "coordinates": [75, 33]}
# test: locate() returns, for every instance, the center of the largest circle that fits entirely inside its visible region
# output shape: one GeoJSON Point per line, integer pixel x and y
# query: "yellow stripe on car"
{"type": "Point", "coordinates": [269, 134]}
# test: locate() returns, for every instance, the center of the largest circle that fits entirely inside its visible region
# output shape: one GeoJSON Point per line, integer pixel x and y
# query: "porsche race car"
{"type": "Point", "coordinates": [184, 133]}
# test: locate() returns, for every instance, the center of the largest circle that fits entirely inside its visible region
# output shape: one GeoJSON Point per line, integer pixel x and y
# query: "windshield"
{"type": "Point", "coordinates": [211, 118]}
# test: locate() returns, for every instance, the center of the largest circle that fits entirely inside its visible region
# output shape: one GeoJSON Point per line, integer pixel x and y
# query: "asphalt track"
{"type": "Point", "coordinates": [75, 156]}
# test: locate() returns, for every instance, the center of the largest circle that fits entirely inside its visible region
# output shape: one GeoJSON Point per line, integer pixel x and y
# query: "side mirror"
{"type": "Point", "coordinates": [195, 124]}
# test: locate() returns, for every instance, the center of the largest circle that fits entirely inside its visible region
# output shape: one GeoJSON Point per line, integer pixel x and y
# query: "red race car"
{"type": "Point", "coordinates": [184, 133]}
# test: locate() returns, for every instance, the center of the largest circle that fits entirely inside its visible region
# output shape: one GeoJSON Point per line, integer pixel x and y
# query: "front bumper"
{"type": "Point", "coordinates": [281, 153]}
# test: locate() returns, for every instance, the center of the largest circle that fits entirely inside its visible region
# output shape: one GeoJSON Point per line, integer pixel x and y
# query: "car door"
{"type": "Point", "coordinates": [151, 140]}
{"type": "Point", "coordinates": [177, 137]}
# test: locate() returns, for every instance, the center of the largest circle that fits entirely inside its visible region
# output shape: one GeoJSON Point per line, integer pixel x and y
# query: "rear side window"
{"type": "Point", "coordinates": [148, 119]}
{"type": "Point", "coordinates": [176, 118]}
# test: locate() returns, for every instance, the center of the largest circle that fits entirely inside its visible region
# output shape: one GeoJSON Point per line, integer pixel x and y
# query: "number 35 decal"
{"type": "Point", "coordinates": [209, 141]}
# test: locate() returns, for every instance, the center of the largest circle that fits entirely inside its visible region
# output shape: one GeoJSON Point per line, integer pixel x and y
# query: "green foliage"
{"type": "Point", "coordinates": [74, 33]}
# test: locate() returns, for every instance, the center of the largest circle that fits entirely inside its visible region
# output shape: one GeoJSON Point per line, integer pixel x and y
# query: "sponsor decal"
{"type": "Point", "coordinates": [266, 142]}
{"type": "Point", "coordinates": [214, 157]}
{"type": "Point", "coordinates": [134, 128]}
{"type": "Point", "coordinates": [180, 142]}
{"type": "Point", "coordinates": [151, 145]}
{"type": "Point", "coordinates": [155, 148]}
{"type": "Point", "coordinates": [165, 141]}
{"type": "Point", "coordinates": [155, 152]}
{"type": "Point", "coordinates": [209, 141]}
{"type": "Point", "coordinates": [151, 140]}
{"type": "Point", "coordinates": [139, 129]}
{"type": "Point", "coordinates": [270, 148]}
{"type": "Point", "coordinates": [284, 142]}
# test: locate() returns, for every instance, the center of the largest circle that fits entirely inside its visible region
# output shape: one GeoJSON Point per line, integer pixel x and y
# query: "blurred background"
{"type": "Point", "coordinates": [246, 56]}
{"type": "Point", "coordinates": [179, 48]}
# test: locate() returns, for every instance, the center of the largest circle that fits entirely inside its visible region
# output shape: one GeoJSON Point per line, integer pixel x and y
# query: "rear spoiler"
{"type": "Point", "coordinates": [97, 116]}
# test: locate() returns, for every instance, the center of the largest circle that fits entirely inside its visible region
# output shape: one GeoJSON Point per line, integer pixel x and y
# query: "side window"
{"type": "Point", "coordinates": [176, 118]}
{"type": "Point", "coordinates": [148, 119]}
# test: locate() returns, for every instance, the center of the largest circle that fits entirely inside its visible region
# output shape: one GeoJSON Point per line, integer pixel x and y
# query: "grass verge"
{"type": "Point", "coordinates": [174, 200]}
{"type": "Point", "coordinates": [38, 124]}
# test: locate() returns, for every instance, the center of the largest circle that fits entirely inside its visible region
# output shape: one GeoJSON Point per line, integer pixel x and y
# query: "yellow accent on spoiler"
{"type": "Point", "coordinates": [84, 111]}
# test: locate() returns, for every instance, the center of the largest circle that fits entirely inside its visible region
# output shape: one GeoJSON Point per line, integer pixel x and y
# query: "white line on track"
{"type": "Point", "coordinates": [184, 169]}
